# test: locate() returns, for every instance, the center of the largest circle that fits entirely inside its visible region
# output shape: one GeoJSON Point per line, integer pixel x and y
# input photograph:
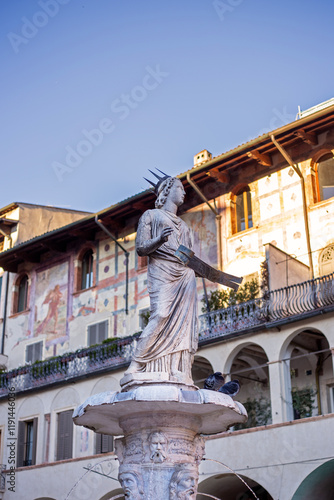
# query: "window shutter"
{"type": "Point", "coordinates": [97, 333]}
{"type": "Point", "coordinates": [102, 331]}
{"type": "Point", "coordinates": [21, 444]}
{"type": "Point", "coordinates": [107, 443]}
{"type": "Point", "coordinates": [65, 435]}
{"type": "Point", "coordinates": [92, 337]}
{"type": "Point", "coordinates": [34, 352]}
{"type": "Point", "coordinates": [104, 443]}
{"type": "Point", "coordinates": [29, 353]}
{"type": "Point", "coordinates": [34, 444]}
{"type": "Point", "coordinates": [38, 351]}
{"type": "Point", "coordinates": [98, 444]}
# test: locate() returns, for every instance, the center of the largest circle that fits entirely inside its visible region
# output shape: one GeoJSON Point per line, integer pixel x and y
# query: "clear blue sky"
{"type": "Point", "coordinates": [162, 79]}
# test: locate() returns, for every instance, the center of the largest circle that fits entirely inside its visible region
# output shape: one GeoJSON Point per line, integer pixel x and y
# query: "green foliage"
{"type": "Point", "coordinates": [259, 413]}
{"type": "Point", "coordinates": [303, 402]}
{"type": "Point", "coordinates": [221, 299]}
{"type": "Point", "coordinates": [145, 316]}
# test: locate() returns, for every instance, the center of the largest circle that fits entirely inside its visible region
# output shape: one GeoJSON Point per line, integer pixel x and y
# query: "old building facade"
{"type": "Point", "coordinates": [77, 297]}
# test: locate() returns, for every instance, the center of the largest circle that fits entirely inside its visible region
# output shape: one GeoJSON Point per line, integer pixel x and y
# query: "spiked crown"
{"type": "Point", "coordinates": [157, 185]}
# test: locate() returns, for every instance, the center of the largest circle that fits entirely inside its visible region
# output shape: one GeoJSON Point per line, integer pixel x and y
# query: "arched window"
{"type": "Point", "coordinates": [87, 270]}
{"type": "Point", "coordinates": [243, 210]}
{"type": "Point", "coordinates": [22, 294]}
{"type": "Point", "coordinates": [327, 261]}
{"type": "Point", "coordinates": [325, 177]}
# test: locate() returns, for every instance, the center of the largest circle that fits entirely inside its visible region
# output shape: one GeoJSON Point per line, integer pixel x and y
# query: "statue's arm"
{"type": "Point", "coordinates": [145, 244]}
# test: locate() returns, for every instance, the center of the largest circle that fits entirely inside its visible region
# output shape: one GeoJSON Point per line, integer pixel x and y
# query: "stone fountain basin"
{"type": "Point", "coordinates": [207, 412]}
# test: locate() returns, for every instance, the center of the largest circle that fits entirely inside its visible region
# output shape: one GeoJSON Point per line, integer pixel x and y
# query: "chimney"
{"type": "Point", "coordinates": [202, 157]}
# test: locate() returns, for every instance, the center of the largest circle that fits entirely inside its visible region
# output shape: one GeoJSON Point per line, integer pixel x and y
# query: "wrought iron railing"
{"type": "Point", "coordinates": [69, 366]}
{"type": "Point", "coordinates": [276, 306]}
{"type": "Point", "coordinates": [289, 303]}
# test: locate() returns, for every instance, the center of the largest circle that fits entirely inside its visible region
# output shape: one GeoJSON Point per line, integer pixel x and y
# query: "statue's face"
{"type": "Point", "coordinates": [187, 487]}
{"type": "Point", "coordinates": [177, 193]}
{"type": "Point", "coordinates": [130, 486]}
{"type": "Point", "coordinates": [158, 445]}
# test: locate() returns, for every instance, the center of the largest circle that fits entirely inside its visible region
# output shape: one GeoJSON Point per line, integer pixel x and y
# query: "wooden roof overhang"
{"type": "Point", "coordinates": [217, 176]}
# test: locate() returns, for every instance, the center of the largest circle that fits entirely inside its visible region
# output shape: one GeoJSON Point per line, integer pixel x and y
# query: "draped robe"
{"type": "Point", "coordinates": [172, 327]}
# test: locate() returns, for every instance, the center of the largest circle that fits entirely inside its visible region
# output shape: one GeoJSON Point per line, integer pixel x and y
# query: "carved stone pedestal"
{"type": "Point", "coordinates": [163, 427]}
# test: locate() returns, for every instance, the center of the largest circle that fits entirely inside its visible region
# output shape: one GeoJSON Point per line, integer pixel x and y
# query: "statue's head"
{"type": "Point", "coordinates": [167, 187]}
{"type": "Point", "coordinates": [132, 483]}
{"type": "Point", "coordinates": [183, 483]}
{"type": "Point", "coordinates": [171, 188]}
{"type": "Point", "coordinates": [158, 446]}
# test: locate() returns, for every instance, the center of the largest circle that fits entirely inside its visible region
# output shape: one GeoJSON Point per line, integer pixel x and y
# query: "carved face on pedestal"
{"type": "Point", "coordinates": [183, 484]}
{"type": "Point", "coordinates": [158, 447]}
{"type": "Point", "coordinates": [131, 484]}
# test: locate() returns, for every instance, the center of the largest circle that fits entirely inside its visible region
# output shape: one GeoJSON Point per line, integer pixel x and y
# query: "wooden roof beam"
{"type": "Point", "coordinates": [308, 137]}
{"type": "Point", "coordinates": [221, 177]}
{"type": "Point", "coordinates": [262, 158]}
{"type": "Point", "coordinates": [34, 259]}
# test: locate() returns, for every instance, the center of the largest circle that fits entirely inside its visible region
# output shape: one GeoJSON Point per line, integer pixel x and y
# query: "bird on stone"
{"type": "Point", "coordinates": [214, 382]}
{"type": "Point", "coordinates": [231, 388]}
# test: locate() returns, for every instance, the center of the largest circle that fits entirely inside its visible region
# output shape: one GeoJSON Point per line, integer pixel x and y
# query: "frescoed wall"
{"type": "Point", "coordinates": [51, 304]}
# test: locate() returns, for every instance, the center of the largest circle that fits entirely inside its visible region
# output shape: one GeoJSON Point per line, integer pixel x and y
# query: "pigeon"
{"type": "Point", "coordinates": [231, 388]}
{"type": "Point", "coordinates": [214, 382]}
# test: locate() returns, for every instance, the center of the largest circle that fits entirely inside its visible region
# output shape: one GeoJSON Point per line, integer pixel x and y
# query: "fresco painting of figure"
{"type": "Point", "coordinates": [51, 301]}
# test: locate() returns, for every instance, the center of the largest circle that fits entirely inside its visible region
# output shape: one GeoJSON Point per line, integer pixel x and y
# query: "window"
{"type": "Point", "coordinates": [22, 294]}
{"type": "Point", "coordinates": [243, 210]}
{"type": "Point", "coordinates": [104, 443]}
{"type": "Point", "coordinates": [65, 435]}
{"type": "Point", "coordinates": [87, 270]}
{"type": "Point", "coordinates": [325, 177]}
{"type": "Point", "coordinates": [327, 260]}
{"type": "Point", "coordinates": [27, 439]}
{"type": "Point", "coordinates": [34, 352]}
{"type": "Point", "coordinates": [144, 316]}
{"type": "Point", "coordinates": [97, 332]}
{"type": "Point", "coordinates": [2, 243]}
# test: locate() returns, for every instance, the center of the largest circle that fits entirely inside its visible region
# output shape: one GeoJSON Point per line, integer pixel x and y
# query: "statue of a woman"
{"type": "Point", "coordinates": [169, 341]}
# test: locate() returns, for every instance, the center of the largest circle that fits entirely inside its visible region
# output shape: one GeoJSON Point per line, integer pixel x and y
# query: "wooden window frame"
{"type": "Point", "coordinates": [64, 448]}
{"type": "Point", "coordinates": [16, 294]}
{"type": "Point", "coordinates": [25, 447]}
{"type": "Point", "coordinates": [241, 190]}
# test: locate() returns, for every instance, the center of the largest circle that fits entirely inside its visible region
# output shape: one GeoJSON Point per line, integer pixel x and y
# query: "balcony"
{"type": "Point", "coordinates": [288, 304]}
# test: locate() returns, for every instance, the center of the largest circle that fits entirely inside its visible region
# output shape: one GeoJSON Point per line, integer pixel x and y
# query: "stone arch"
{"type": "Point", "coordinates": [111, 494]}
{"type": "Point", "coordinates": [30, 406]}
{"type": "Point", "coordinates": [230, 487]}
{"type": "Point", "coordinates": [318, 484]}
{"type": "Point", "coordinates": [45, 498]}
{"type": "Point", "coordinates": [306, 366]}
{"type": "Point", "coordinates": [283, 352]}
{"type": "Point", "coordinates": [104, 384]}
{"type": "Point", "coordinates": [236, 350]}
{"type": "Point", "coordinates": [65, 398]}
{"type": "Point", "coordinates": [248, 363]}
{"type": "Point", "coordinates": [201, 369]}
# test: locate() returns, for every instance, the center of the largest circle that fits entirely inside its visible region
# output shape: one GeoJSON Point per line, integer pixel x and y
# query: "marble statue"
{"type": "Point", "coordinates": [183, 483]}
{"type": "Point", "coordinates": [132, 483]}
{"type": "Point", "coordinates": [158, 447]}
{"type": "Point", "coordinates": [169, 341]}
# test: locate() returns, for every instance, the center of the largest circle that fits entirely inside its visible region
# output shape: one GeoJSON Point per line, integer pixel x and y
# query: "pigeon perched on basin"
{"type": "Point", "coordinates": [214, 382]}
{"type": "Point", "coordinates": [231, 388]}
